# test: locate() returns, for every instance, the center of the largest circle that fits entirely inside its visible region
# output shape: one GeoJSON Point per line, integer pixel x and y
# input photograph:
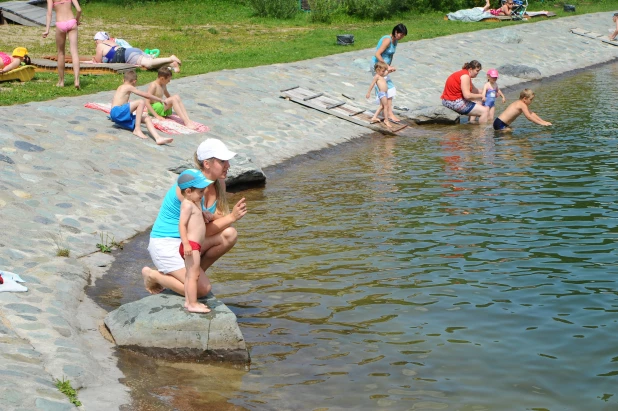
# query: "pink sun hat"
{"type": "Point", "coordinates": [492, 73]}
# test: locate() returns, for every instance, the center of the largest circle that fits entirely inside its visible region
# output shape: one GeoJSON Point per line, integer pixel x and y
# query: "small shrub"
{"type": "Point", "coordinates": [64, 387]}
{"type": "Point", "coordinates": [322, 10]}
{"type": "Point", "coordinates": [213, 30]}
{"type": "Point", "coordinates": [280, 9]}
{"type": "Point", "coordinates": [63, 252]}
{"type": "Point", "coordinates": [108, 243]}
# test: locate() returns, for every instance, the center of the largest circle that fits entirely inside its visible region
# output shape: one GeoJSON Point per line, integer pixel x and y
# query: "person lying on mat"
{"type": "Point", "coordinates": [158, 88]}
{"type": "Point", "coordinates": [505, 10]}
{"type": "Point", "coordinates": [108, 51]}
{"type": "Point", "coordinates": [13, 61]}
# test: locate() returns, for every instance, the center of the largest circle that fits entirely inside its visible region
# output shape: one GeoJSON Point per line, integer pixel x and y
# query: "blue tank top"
{"type": "Point", "coordinates": [387, 55]}
{"type": "Point", "coordinates": [166, 224]}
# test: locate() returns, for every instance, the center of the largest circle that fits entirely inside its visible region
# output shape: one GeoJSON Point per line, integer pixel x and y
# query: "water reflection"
{"type": "Point", "coordinates": [453, 269]}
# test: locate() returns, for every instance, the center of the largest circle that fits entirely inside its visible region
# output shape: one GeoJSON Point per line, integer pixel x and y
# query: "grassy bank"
{"type": "Point", "coordinates": [213, 35]}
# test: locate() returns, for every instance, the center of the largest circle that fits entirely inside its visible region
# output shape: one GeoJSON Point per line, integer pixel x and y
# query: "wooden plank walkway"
{"type": "Point", "coordinates": [44, 65]}
{"type": "Point", "coordinates": [339, 108]}
{"type": "Point", "coordinates": [25, 13]}
{"type": "Point", "coordinates": [595, 36]}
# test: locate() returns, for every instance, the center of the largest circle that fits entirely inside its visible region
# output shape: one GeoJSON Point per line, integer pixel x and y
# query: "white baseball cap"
{"type": "Point", "coordinates": [212, 147]}
{"type": "Point", "coordinates": [101, 35]}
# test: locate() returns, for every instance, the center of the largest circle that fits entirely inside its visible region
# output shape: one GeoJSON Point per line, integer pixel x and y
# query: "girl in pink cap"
{"type": "Point", "coordinates": [491, 91]}
{"type": "Point", "coordinates": [66, 25]}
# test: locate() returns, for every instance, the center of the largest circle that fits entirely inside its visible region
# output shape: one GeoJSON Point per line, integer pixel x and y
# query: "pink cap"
{"type": "Point", "coordinates": [492, 73]}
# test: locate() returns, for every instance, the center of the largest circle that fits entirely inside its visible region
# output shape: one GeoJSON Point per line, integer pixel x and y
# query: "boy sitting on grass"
{"type": "Point", "coordinates": [158, 88]}
{"type": "Point", "coordinates": [122, 109]}
{"type": "Point", "coordinates": [503, 121]}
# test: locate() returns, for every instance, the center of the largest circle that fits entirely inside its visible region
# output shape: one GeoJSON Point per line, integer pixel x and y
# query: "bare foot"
{"type": "Point", "coordinates": [388, 124]}
{"type": "Point", "coordinates": [193, 125]}
{"type": "Point", "coordinates": [60, 84]}
{"type": "Point", "coordinates": [151, 285]}
{"type": "Point", "coordinates": [161, 141]}
{"type": "Point", "coordinates": [374, 120]}
{"type": "Point", "coordinates": [140, 134]}
{"type": "Point", "coordinates": [175, 59]}
{"type": "Point", "coordinates": [395, 119]}
{"type": "Point", "coordinates": [175, 66]}
{"type": "Point", "coordinates": [198, 308]}
{"type": "Point", "coordinates": [77, 86]}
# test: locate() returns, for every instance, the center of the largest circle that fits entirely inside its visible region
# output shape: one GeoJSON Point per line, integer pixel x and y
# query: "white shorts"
{"type": "Point", "coordinates": [165, 255]}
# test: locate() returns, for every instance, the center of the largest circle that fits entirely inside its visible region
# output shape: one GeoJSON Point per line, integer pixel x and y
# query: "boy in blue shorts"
{"type": "Point", "coordinates": [122, 109]}
{"type": "Point", "coordinates": [514, 110]}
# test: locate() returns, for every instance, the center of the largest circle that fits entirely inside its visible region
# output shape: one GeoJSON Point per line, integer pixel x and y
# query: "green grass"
{"type": "Point", "coordinates": [64, 387]}
{"type": "Point", "coordinates": [212, 35]}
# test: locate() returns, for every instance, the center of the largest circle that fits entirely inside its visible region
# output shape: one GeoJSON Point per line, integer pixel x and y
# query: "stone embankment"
{"type": "Point", "coordinates": [67, 176]}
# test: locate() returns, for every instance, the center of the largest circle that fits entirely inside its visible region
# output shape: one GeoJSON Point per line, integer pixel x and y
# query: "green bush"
{"type": "Point", "coordinates": [280, 9]}
{"type": "Point", "coordinates": [322, 10]}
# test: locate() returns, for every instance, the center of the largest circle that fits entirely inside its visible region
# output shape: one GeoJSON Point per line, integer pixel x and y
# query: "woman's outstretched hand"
{"type": "Point", "coordinates": [239, 210]}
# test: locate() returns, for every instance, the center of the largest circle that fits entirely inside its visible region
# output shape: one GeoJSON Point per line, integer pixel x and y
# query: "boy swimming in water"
{"type": "Point", "coordinates": [514, 110]}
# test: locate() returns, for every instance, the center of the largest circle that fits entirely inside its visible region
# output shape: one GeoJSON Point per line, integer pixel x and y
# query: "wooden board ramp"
{"type": "Point", "coordinates": [44, 65]}
{"type": "Point", "coordinates": [594, 36]}
{"type": "Point", "coordinates": [23, 73]}
{"type": "Point", "coordinates": [338, 108]}
{"type": "Point", "coordinates": [25, 13]}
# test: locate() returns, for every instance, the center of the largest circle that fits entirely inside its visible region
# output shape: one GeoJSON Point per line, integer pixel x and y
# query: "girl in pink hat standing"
{"type": "Point", "coordinates": [491, 91]}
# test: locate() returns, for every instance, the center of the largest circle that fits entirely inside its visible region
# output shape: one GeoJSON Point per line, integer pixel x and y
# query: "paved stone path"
{"type": "Point", "coordinates": [67, 175]}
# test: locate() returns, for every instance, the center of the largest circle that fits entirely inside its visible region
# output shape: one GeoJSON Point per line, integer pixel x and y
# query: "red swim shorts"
{"type": "Point", "coordinates": [194, 246]}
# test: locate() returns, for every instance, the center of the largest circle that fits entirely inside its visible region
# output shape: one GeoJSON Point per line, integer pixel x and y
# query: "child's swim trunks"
{"type": "Point", "coordinates": [122, 116]}
{"type": "Point", "coordinates": [499, 124]}
{"type": "Point", "coordinates": [194, 246]}
{"type": "Point", "coordinates": [159, 108]}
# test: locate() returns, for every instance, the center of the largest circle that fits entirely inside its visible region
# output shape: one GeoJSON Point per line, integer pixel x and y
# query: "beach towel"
{"type": "Point", "coordinates": [170, 125]}
{"type": "Point", "coordinates": [469, 15]}
{"type": "Point", "coordinates": [9, 282]}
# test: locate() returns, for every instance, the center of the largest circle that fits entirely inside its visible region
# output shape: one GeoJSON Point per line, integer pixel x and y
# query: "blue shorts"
{"type": "Point", "coordinates": [122, 116]}
{"type": "Point", "coordinates": [499, 124]}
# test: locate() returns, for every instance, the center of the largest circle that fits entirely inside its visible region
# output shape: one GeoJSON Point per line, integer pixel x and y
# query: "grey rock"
{"type": "Point", "coordinates": [520, 71]}
{"type": "Point", "coordinates": [243, 171]}
{"type": "Point", "coordinates": [432, 115]}
{"type": "Point", "coordinates": [509, 37]}
{"type": "Point", "coordinates": [47, 405]}
{"type": "Point", "coordinates": [159, 326]}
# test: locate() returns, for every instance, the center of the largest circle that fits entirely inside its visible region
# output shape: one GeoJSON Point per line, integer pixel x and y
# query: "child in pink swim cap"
{"type": "Point", "coordinates": [491, 91]}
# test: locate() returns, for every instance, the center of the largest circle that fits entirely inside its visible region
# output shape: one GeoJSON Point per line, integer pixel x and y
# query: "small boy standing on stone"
{"type": "Point", "coordinates": [158, 88]}
{"type": "Point", "coordinates": [122, 109]}
{"type": "Point", "coordinates": [381, 69]}
{"type": "Point", "coordinates": [514, 110]}
{"type": "Point", "coordinates": [192, 229]}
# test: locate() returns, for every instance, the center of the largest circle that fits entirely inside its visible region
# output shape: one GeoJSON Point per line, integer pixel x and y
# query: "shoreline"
{"type": "Point", "coordinates": [68, 176]}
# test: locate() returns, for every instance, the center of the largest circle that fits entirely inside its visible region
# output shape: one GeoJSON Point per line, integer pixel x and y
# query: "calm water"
{"type": "Point", "coordinates": [457, 269]}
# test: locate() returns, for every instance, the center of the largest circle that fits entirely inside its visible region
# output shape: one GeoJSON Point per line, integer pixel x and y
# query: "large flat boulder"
{"type": "Point", "coordinates": [159, 326]}
{"type": "Point", "coordinates": [520, 71]}
{"type": "Point", "coordinates": [431, 115]}
{"type": "Point", "coordinates": [243, 171]}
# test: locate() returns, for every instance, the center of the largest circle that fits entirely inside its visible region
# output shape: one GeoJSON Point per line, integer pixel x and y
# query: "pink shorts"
{"type": "Point", "coordinates": [66, 26]}
{"type": "Point", "coordinates": [6, 59]}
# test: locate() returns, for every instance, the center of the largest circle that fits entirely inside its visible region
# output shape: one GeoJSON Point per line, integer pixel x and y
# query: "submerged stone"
{"type": "Point", "coordinates": [159, 326]}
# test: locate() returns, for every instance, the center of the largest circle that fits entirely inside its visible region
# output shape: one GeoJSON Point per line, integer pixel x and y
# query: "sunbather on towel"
{"type": "Point", "coordinates": [505, 10]}
{"type": "Point", "coordinates": [122, 109]}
